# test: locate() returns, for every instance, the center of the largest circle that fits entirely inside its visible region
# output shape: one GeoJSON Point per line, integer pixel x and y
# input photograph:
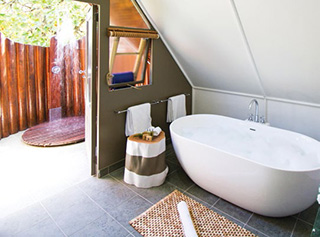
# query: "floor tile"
{"type": "Point", "coordinates": [107, 192]}
{"type": "Point", "coordinates": [180, 179]}
{"type": "Point", "coordinates": [135, 233]}
{"type": "Point", "coordinates": [197, 199]}
{"type": "Point", "coordinates": [256, 232]}
{"type": "Point", "coordinates": [76, 208]}
{"type": "Point", "coordinates": [13, 199]}
{"type": "Point", "coordinates": [171, 156]}
{"type": "Point", "coordinates": [273, 226]}
{"type": "Point", "coordinates": [72, 210]}
{"type": "Point", "coordinates": [66, 199]}
{"type": "Point", "coordinates": [103, 226]}
{"type": "Point", "coordinates": [202, 194]}
{"type": "Point", "coordinates": [302, 229]}
{"type": "Point", "coordinates": [46, 228]}
{"type": "Point", "coordinates": [129, 210]}
{"type": "Point", "coordinates": [172, 166]}
{"type": "Point", "coordinates": [236, 221]}
{"type": "Point", "coordinates": [233, 210]}
{"type": "Point", "coordinates": [154, 194]}
{"type": "Point", "coordinates": [22, 220]}
{"type": "Point", "coordinates": [42, 171]}
{"type": "Point", "coordinates": [48, 187]}
{"type": "Point", "coordinates": [118, 174]}
{"type": "Point", "coordinates": [310, 214]}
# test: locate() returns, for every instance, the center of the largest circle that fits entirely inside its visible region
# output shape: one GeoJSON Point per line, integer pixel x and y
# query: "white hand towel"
{"type": "Point", "coordinates": [176, 107]}
{"type": "Point", "coordinates": [187, 224]}
{"type": "Point", "coordinates": [138, 119]}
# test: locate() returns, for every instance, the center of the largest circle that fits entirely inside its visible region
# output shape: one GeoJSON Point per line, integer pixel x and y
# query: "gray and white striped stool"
{"type": "Point", "coordinates": [145, 164]}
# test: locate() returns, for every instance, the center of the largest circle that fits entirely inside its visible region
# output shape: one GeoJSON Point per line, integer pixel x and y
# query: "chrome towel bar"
{"type": "Point", "coordinates": [154, 102]}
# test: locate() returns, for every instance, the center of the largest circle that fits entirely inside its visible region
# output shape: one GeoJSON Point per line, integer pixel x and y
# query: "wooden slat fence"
{"type": "Point", "coordinates": [29, 89]}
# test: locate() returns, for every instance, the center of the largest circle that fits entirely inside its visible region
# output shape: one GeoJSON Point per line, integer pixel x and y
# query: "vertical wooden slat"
{"type": "Point", "coordinates": [50, 78]}
{"type": "Point", "coordinates": [40, 83]}
{"type": "Point", "coordinates": [1, 76]}
{"type": "Point", "coordinates": [68, 81]}
{"type": "Point", "coordinates": [12, 86]}
{"type": "Point", "coordinates": [76, 80]}
{"type": "Point", "coordinates": [82, 49]}
{"type": "Point", "coordinates": [0, 95]}
{"type": "Point", "coordinates": [54, 99]}
{"type": "Point", "coordinates": [4, 92]}
{"type": "Point", "coordinates": [22, 86]}
{"type": "Point", "coordinates": [31, 100]}
{"type": "Point", "coordinates": [62, 77]}
{"type": "Point", "coordinates": [47, 79]}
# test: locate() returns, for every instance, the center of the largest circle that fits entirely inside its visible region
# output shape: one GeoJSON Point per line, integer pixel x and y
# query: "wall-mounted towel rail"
{"type": "Point", "coordinates": [154, 102]}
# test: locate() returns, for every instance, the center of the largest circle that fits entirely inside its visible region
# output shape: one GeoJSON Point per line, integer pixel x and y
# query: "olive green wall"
{"type": "Point", "coordinates": [167, 80]}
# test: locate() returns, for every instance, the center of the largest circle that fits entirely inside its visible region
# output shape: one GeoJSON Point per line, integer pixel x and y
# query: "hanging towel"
{"type": "Point", "coordinates": [176, 107]}
{"type": "Point", "coordinates": [138, 119]}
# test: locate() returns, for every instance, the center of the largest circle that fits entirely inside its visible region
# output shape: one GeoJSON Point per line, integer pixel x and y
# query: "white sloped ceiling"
{"type": "Point", "coordinates": [284, 37]}
{"type": "Point", "coordinates": [206, 41]}
{"type": "Point", "coordinates": [269, 48]}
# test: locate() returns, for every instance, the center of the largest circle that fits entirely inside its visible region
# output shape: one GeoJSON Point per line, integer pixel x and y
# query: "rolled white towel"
{"type": "Point", "coordinates": [188, 227]}
{"type": "Point", "coordinates": [156, 131]}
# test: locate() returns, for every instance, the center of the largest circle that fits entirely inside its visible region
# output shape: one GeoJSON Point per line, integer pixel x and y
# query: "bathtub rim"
{"type": "Point", "coordinates": [239, 156]}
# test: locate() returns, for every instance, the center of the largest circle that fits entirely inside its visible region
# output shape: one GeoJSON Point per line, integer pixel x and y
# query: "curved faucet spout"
{"type": "Point", "coordinates": [256, 113]}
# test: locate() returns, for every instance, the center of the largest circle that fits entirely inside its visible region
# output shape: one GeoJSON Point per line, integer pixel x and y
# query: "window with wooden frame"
{"type": "Point", "coordinates": [130, 37]}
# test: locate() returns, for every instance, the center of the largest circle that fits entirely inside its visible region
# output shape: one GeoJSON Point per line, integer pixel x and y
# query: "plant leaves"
{"type": "Point", "coordinates": [36, 21]}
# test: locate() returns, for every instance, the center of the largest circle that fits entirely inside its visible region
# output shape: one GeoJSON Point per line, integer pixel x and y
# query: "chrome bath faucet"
{"type": "Point", "coordinates": [256, 112]}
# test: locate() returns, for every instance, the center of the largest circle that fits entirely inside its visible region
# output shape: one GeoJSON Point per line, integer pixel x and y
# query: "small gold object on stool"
{"type": "Point", "coordinates": [147, 136]}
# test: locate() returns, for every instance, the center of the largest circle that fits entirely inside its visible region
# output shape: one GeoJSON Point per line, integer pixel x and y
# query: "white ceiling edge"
{"type": "Point", "coordinates": [277, 99]}
{"type": "Point", "coordinates": [230, 92]}
{"type": "Point", "coordinates": [165, 42]}
{"type": "Point", "coordinates": [234, 8]}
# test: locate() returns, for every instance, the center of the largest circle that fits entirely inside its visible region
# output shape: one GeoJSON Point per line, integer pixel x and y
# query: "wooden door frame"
{"type": "Point", "coordinates": [101, 55]}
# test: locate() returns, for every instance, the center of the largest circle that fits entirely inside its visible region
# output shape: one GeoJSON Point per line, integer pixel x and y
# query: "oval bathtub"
{"type": "Point", "coordinates": [266, 170]}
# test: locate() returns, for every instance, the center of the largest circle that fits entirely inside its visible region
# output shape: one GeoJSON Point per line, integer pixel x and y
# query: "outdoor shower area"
{"type": "Point", "coordinates": [42, 85]}
{"type": "Point", "coordinates": [43, 80]}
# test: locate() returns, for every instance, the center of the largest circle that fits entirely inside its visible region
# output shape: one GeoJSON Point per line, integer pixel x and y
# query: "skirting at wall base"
{"type": "Point", "coordinates": [111, 168]}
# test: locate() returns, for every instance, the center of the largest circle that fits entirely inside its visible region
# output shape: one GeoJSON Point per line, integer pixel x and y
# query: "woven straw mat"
{"type": "Point", "coordinates": [162, 219]}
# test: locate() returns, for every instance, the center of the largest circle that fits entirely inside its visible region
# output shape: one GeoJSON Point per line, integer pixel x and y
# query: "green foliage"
{"type": "Point", "coordinates": [34, 22]}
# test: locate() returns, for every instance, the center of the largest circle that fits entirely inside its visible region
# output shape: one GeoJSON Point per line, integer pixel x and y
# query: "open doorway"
{"type": "Point", "coordinates": [40, 84]}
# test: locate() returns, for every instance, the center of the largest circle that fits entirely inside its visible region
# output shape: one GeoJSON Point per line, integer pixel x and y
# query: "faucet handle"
{"type": "Point", "coordinates": [250, 117]}
{"type": "Point", "coordinates": [262, 119]}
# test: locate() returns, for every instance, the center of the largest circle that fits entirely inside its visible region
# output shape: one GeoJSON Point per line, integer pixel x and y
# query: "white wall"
{"type": "Point", "coordinates": [232, 51]}
{"type": "Point", "coordinates": [290, 115]}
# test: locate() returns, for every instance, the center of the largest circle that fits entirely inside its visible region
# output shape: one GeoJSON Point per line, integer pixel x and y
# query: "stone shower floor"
{"type": "Point", "coordinates": [48, 200]}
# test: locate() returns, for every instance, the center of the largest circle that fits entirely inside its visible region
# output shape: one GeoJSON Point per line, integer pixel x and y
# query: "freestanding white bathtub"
{"type": "Point", "coordinates": [266, 170]}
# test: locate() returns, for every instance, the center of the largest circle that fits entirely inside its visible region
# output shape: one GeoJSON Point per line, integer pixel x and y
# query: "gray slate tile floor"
{"type": "Point", "coordinates": [103, 207]}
